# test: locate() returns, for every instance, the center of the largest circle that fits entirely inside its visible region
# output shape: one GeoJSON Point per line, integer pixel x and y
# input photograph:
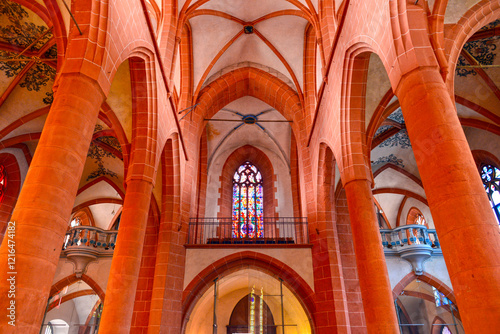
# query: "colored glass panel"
{"type": "Point", "coordinates": [260, 212]}
{"type": "Point", "coordinates": [491, 181]}
{"type": "Point", "coordinates": [248, 211]}
{"type": "Point", "coordinates": [236, 209]}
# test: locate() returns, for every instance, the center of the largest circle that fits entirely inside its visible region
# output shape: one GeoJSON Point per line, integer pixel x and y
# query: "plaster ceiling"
{"type": "Point", "coordinates": [276, 41]}
{"type": "Point", "coordinates": [273, 136]}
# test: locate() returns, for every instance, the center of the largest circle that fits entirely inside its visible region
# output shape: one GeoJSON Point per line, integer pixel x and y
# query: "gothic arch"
{"type": "Point", "coordinates": [170, 239]}
{"type": "Point", "coordinates": [144, 119]}
{"type": "Point", "coordinates": [427, 278]}
{"type": "Point", "coordinates": [485, 157]}
{"type": "Point", "coordinates": [248, 259]}
{"type": "Point", "coordinates": [248, 81]}
{"type": "Point", "coordinates": [72, 279]}
{"type": "Point", "coordinates": [326, 234]}
{"type": "Point", "coordinates": [353, 162]}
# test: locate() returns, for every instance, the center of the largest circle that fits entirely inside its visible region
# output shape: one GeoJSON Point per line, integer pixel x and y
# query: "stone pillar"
{"type": "Point", "coordinates": [44, 206]}
{"type": "Point", "coordinates": [378, 303]}
{"type": "Point", "coordinates": [465, 224]}
{"type": "Point", "coordinates": [124, 273]}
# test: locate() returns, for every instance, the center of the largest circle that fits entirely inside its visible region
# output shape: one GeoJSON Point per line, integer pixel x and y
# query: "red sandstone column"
{"type": "Point", "coordinates": [466, 227]}
{"type": "Point", "coordinates": [44, 206]}
{"type": "Point", "coordinates": [124, 273]}
{"type": "Point", "coordinates": [378, 304]}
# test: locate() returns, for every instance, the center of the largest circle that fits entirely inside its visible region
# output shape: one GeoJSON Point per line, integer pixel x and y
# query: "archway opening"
{"type": "Point", "coordinates": [420, 303]}
{"type": "Point", "coordinates": [232, 299]}
{"type": "Point", "coordinates": [252, 315]}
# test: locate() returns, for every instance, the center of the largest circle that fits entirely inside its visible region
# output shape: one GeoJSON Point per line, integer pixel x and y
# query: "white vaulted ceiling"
{"type": "Point", "coordinates": [219, 41]}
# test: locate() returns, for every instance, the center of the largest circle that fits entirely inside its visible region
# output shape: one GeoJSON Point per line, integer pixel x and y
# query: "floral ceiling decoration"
{"type": "Point", "coordinates": [483, 50]}
{"type": "Point", "coordinates": [31, 39]}
{"type": "Point", "coordinates": [98, 153]}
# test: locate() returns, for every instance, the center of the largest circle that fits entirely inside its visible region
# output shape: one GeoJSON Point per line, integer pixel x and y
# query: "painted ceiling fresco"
{"type": "Point", "coordinates": [98, 153]}
{"type": "Point", "coordinates": [483, 50]}
{"type": "Point", "coordinates": [30, 45]}
{"type": "Point", "coordinates": [393, 149]}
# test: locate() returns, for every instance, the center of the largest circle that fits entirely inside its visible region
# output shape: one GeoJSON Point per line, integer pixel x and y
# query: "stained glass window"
{"type": "Point", "coordinates": [491, 181]}
{"type": "Point", "coordinates": [248, 210]}
{"type": "Point", "coordinates": [440, 298]}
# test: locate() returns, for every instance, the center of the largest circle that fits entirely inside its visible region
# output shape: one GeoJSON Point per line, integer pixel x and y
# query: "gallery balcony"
{"type": "Point", "coordinates": [84, 244]}
{"type": "Point", "coordinates": [274, 232]}
{"type": "Point", "coordinates": [414, 243]}
{"type": "Point", "coordinates": [90, 237]}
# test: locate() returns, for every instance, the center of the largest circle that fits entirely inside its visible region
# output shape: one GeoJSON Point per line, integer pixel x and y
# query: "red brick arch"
{"type": "Point", "coordinates": [412, 215]}
{"type": "Point", "coordinates": [485, 157]}
{"type": "Point", "coordinates": [427, 278]}
{"type": "Point", "coordinates": [248, 81]}
{"type": "Point", "coordinates": [262, 162]}
{"type": "Point", "coordinates": [72, 279]}
{"type": "Point", "coordinates": [354, 162]}
{"type": "Point", "coordinates": [144, 118]}
{"type": "Point", "coordinates": [245, 260]}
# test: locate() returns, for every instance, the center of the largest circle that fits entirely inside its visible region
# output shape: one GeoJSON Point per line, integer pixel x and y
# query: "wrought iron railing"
{"type": "Point", "coordinates": [276, 231]}
{"type": "Point", "coordinates": [90, 237]}
{"type": "Point", "coordinates": [409, 235]}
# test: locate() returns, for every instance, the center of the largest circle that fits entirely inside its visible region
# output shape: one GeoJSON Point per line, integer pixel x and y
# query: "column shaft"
{"type": "Point", "coordinates": [44, 206]}
{"type": "Point", "coordinates": [466, 226]}
{"type": "Point", "coordinates": [376, 292]}
{"type": "Point", "coordinates": [124, 273]}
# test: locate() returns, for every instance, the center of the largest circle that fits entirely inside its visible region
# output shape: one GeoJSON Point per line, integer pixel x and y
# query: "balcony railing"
{"type": "Point", "coordinates": [409, 235]}
{"type": "Point", "coordinates": [84, 244]}
{"type": "Point", "coordinates": [277, 231]}
{"type": "Point", "coordinates": [414, 243]}
{"type": "Point", "coordinates": [90, 237]}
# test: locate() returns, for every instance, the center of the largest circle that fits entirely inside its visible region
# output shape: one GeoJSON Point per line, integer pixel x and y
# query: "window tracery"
{"type": "Point", "coordinates": [491, 181]}
{"type": "Point", "coordinates": [248, 211]}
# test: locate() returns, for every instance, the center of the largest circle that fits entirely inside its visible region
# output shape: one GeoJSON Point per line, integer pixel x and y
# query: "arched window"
{"type": "Point", "coordinates": [248, 210]}
{"type": "Point", "coordinates": [491, 181]}
{"type": "Point", "coordinates": [420, 220]}
{"type": "Point", "coordinates": [445, 330]}
{"type": "Point", "coordinates": [75, 222]}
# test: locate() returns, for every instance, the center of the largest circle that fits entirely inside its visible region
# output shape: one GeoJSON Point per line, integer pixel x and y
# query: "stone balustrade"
{"type": "Point", "coordinates": [414, 243]}
{"type": "Point", "coordinates": [84, 244]}
{"type": "Point", "coordinates": [92, 237]}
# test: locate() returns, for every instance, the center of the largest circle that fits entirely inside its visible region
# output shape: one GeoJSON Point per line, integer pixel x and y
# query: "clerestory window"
{"type": "Point", "coordinates": [248, 206]}
{"type": "Point", "coordinates": [491, 181]}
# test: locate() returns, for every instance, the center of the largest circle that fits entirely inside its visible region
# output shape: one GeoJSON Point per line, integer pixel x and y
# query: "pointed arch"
{"type": "Point", "coordinates": [354, 163]}
{"type": "Point", "coordinates": [144, 116]}
{"type": "Point", "coordinates": [248, 259]}
{"type": "Point", "coordinates": [248, 81]}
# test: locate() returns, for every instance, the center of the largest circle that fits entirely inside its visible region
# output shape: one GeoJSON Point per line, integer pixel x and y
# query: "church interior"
{"type": "Point", "coordinates": [236, 166]}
